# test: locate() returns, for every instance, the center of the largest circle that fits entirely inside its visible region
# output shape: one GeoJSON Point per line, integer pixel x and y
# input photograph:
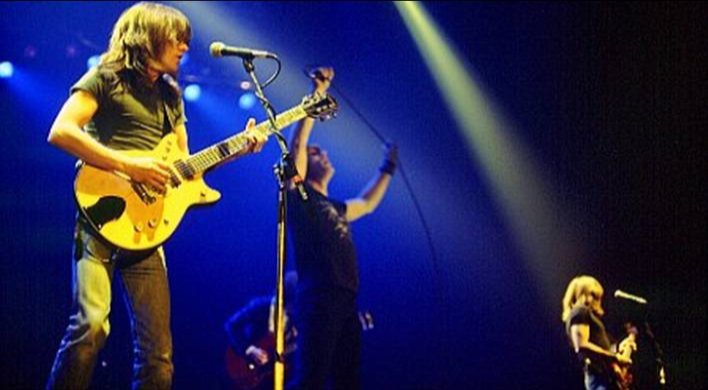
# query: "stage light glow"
{"type": "Point", "coordinates": [247, 100]}
{"type": "Point", "coordinates": [71, 51]}
{"type": "Point", "coordinates": [93, 61]}
{"type": "Point", "coordinates": [245, 85]}
{"type": "Point", "coordinates": [6, 69]}
{"type": "Point", "coordinates": [192, 92]}
{"type": "Point", "coordinates": [539, 227]}
{"type": "Point", "coordinates": [30, 51]}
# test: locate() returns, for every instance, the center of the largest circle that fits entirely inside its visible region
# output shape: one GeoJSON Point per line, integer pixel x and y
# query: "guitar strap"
{"type": "Point", "coordinates": [167, 125]}
{"type": "Point", "coordinates": [168, 122]}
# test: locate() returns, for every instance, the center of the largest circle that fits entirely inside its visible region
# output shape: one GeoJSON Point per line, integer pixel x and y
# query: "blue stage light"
{"type": "Point", "coordinates": [192, 93]}
{"type": "Point", "coordinates": [6, 69]}
{"type": "Point", "coordinates": [247, 100]}
{"type": "Point", "coordinates": [93, 61]}
{"type": "Point", "coordinates": [185, 58]}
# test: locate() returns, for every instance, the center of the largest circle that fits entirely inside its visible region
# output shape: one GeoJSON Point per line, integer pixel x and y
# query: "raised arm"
{"type": "Point", "coordinates": [370, 197]}
{"type": "Point", "coordinates": [301, 134]}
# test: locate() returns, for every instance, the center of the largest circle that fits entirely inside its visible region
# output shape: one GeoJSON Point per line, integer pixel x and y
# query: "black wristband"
{"type": "Point", "coordinates": [388, 166]}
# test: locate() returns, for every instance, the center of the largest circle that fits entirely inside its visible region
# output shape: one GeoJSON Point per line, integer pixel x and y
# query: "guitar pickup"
{"type": "Point", "coordinates": [184, 169]}
{"type": "Point", "coordinates": [144, 194]}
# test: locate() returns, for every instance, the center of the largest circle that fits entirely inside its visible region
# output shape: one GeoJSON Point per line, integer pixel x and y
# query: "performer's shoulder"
{"type": "Point", "coordinates": [579, 314]}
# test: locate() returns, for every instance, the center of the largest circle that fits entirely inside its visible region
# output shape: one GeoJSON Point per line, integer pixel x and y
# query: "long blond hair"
{"type": "Point", "coordinates": [140, 34]}
{"type": "Point", "coordinates": [577, 289]}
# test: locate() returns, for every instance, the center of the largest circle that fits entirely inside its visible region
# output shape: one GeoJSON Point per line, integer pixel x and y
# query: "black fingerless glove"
{"type": "Point", "coordinates": [388, 166]}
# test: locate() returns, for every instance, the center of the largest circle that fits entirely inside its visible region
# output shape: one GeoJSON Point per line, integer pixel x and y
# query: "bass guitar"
{"type": "Point", "coordinates": [245, 374]}
{"type": "Point", "coordinates": [134, 216]}
{"type": "Point", "coordinates": [623, 375]}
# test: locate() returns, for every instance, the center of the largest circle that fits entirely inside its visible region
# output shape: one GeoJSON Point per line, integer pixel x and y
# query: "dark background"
{"type": "Point", "coordinates": [609, 99]}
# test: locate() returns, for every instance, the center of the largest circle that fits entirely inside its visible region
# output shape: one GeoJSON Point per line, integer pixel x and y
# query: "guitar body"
{"type": "Point", "coordinates": [246, 375]}
{"type": "Point", "coordinates": [134, 217]}
{"type": "Point", "coordinates": [623, 377]}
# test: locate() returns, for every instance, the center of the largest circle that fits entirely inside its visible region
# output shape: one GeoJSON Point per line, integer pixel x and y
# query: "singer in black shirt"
{"type": "Point", "coordinates": [326, 261]}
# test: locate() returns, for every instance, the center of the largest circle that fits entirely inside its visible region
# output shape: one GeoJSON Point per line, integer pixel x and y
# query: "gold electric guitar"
{"type": "Point", "coordinates": [134, 216]}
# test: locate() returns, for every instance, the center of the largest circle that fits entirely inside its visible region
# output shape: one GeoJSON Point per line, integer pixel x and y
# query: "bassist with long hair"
{"type": "Point", "coordinates": [604, 366]}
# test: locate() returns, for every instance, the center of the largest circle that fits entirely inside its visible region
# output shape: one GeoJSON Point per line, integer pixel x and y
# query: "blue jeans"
{"type": "Point", "coordinates": [143, 278]}
{"type": "Point", "coordinates": [598, 380]}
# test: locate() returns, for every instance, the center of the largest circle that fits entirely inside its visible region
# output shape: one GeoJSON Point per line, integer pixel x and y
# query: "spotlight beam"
{"type": "Point", "coordinates": [508, 165]}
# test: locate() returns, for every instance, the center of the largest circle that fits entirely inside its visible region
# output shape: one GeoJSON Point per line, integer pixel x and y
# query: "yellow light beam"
{"type": "Point", "coordinates": [526, 200]}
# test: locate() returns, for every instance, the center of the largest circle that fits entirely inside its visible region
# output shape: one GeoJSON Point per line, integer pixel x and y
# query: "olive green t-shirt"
{"type": "Point", "coordinates": [129, 118]}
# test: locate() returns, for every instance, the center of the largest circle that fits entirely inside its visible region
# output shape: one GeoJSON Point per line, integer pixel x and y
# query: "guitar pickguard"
{"type": "Point", "coordinates": [107, 209]}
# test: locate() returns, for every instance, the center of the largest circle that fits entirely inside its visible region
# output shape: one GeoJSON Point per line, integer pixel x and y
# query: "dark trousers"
{"type": "Point", "coordinates": [143, 278]}
{"type": "Point", "coordinates": [329, 340]}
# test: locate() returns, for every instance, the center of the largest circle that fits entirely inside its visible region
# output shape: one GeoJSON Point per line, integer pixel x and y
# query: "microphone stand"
{"type": "Point", "coordinates": [284, 170]}
{"type": "Point", "coordinates": [657, 350]}
{"type": "Point", "coordinates": [658, 355]}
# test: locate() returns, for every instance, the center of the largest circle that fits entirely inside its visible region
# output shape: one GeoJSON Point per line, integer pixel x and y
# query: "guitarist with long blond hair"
{"type": "Point", "coordinates": [129, 102]}
{"type": "Point", "coordinates": [604, 365]}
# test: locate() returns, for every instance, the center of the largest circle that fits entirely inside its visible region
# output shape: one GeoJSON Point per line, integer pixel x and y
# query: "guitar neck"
{"type": "Point", "coordinates": [219, 152]}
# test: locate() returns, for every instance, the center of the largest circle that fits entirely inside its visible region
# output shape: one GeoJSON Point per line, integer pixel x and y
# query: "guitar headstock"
{"type": "Point", "coordinates": [631, 329]}
{"type": "Point", "coordinates": [319, 106]}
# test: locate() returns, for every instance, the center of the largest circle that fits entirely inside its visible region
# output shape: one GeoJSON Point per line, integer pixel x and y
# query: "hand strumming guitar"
{"type": "Point", "coordinates": [257, 355]}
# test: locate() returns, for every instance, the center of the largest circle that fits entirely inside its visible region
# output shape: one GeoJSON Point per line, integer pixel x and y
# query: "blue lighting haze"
{"type": "Point", "coordinates": [247, 100]}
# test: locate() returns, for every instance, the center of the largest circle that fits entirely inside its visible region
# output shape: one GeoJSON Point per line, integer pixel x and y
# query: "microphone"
{"type": "Point", "coordinates": [633, 298]}
{"type": "Point", "coordinates": [219, 49]}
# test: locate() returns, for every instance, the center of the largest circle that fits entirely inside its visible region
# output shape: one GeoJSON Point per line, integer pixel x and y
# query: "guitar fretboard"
{"type": "Point", "coordinates": [217, 153]}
